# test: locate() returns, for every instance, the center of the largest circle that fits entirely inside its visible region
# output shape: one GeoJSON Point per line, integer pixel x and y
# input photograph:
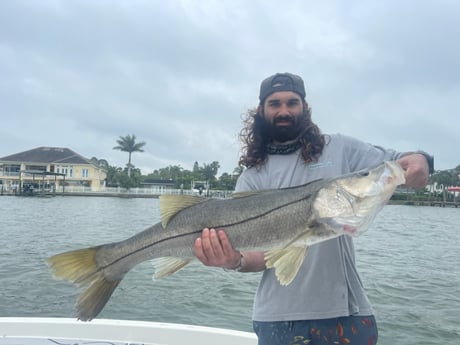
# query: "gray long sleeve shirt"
{"type": "Point", "coordinates": [327, 284]}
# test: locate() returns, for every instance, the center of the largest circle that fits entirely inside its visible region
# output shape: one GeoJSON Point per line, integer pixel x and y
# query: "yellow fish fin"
{"type": "Point", "coordinates": [166, 266]}
{"type": "Point", "coordinates": [80, 267]}
{"type": "Point", "coordinates": [286, 262]}
{"type": "Point", "coordinates": [170, 205]}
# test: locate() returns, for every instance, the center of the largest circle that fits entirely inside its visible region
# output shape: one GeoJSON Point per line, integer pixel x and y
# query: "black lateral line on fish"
{"type": "Point", "coordinates": [200, 230]}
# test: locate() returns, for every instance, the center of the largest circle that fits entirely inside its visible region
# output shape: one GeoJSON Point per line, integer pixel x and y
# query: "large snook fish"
{"type": "Point", "coordinates": [282, 223]}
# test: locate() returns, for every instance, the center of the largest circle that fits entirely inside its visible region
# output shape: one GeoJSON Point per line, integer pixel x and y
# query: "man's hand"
{"type": "Point", "coordinates": [416, 168]}
{"type": "Point", "coordinates": [213, 248]}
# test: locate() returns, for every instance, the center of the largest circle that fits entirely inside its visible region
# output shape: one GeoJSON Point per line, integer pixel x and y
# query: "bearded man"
{"type": "Point", "coordinates": [326, 302]}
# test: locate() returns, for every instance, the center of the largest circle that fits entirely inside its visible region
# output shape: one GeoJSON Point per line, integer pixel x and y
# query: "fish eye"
{"type": "Point", "coordinates": [364, 173]}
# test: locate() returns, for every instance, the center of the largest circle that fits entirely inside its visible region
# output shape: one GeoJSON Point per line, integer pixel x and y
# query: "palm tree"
{"type": "Point", "coordinates": [128, 144]}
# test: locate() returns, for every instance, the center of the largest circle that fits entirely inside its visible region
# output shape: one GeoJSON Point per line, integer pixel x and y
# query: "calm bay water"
{"type": "Point", "coordinates": [409, 262]}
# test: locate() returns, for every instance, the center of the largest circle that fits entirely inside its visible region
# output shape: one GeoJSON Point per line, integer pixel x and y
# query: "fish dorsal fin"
{"type": "Point", "coordinates": [170, 205]}
{"type": "Point", "coordinates": [286, 262]}
{"type": "Point", "coordinates": [166, 266]}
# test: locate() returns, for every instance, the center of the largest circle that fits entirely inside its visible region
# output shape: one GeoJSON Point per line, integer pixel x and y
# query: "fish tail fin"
{"type": "Point", "coordinates": [80, 267]}
{"type": "Point", "coordinates": [94, 298]}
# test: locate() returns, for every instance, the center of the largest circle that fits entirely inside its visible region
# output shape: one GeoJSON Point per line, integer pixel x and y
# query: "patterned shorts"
{"type": "Point", "coordinates": [354, 330]}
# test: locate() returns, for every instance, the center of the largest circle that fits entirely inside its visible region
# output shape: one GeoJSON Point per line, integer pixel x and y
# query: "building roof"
{"type": "Point", "coordinates": [57, 155]}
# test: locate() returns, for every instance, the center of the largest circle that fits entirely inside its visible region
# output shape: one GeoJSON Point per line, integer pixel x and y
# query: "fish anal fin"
{"type": "Point", "coordinates": [170, 205]}
{"type": "Point", "coordinates": [286, 262]}
{"type": "Point", "coordinates": [168, 265]}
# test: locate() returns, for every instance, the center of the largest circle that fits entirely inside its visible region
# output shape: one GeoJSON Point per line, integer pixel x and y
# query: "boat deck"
{"type": "Point", "coordinates": [63, 331]}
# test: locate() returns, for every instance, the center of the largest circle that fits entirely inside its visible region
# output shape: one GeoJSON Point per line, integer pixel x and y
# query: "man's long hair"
{"type": "Point", "coordinates": [255, 139]}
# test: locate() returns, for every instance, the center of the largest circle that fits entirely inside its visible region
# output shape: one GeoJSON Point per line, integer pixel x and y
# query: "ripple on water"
{"type": "Point", "coordinates": [408, 260]}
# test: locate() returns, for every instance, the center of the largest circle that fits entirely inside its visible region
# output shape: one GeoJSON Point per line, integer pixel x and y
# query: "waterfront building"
{"type": "Point", "coordinates": [48, 169]}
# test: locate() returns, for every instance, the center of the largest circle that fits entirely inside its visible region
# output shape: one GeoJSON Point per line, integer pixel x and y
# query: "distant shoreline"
{"type": "Point", "coordinates": [86, 194]}
{"type": "Point", "coordinates": [433, 203]}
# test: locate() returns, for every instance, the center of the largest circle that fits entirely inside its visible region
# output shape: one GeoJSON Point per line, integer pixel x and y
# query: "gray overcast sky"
{"type": "Point", "coordinates": [179, 74]}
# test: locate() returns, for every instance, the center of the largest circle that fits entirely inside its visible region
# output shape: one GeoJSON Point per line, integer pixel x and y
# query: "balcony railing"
{"type": "Point", "coordinates": [9, 173]}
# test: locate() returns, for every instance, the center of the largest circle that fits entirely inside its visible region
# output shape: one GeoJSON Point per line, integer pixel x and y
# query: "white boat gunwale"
{"type": "Point", "coordinates": [33, 330]}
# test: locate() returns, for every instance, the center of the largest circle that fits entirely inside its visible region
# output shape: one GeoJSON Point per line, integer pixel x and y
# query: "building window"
{"type": "Point", "coordinates": [84, 173]}
{"type": "Point", "coordinates": [11, 170]}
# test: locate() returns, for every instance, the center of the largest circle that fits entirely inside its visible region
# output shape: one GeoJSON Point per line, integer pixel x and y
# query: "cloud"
{"type": "Point", "coordinates": [179, 74]}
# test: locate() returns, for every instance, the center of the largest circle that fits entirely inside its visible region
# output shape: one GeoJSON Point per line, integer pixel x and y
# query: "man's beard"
{"type": "Point", "coordinates": [286, 132]}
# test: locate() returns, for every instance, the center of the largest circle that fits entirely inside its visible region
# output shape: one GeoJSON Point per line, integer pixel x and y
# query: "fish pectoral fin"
{"type": "Point", "coordinates": [286, 262]}
{"type": "Point", "coordinates": [168, 265]}
{"type": "Point", "coordinates": [273, 255]}
{"type": "Point", "coordinates": [170, 205]}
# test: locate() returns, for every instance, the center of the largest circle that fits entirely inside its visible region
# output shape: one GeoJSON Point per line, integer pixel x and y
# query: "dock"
{"type": "Point", "coordinates": [434, 203]}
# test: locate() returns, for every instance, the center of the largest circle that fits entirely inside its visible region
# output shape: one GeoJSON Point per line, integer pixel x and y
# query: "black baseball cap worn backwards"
{"type": "Point", "coordinates": [281, 82]}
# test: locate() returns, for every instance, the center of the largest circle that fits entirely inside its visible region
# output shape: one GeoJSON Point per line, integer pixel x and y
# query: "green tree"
{"type": "Point", "coordinates": [196, 167]}
{"type": "Point", "coordinates": [128, 182]}
{"type": "Point", "coordinates": [445, 177]}
{"type": "Point", "coordinates": [181, 177]}
{"type": "Point", "coordinates": [113, 173]}
{"type": "Point", "coordinates": [457, 176]}
{"type": "Point", "coordinates": [94, 160]}
{"type": "Point", "coordinates": [226, 182]}
{"type": "Point", "coordinates": [238, 171]}
{"type": "Point", "coordinates": [128, 144]}
{"type": "Point", "coordinates": [101, 163]}
{"type": "Point", "coordinates": [171, 172]}
{"type": "Point", "coordinates": [209, 171]}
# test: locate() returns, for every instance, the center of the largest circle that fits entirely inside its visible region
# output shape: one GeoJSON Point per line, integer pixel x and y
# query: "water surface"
{"type": "Point", "coordinates": [409, 262]}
